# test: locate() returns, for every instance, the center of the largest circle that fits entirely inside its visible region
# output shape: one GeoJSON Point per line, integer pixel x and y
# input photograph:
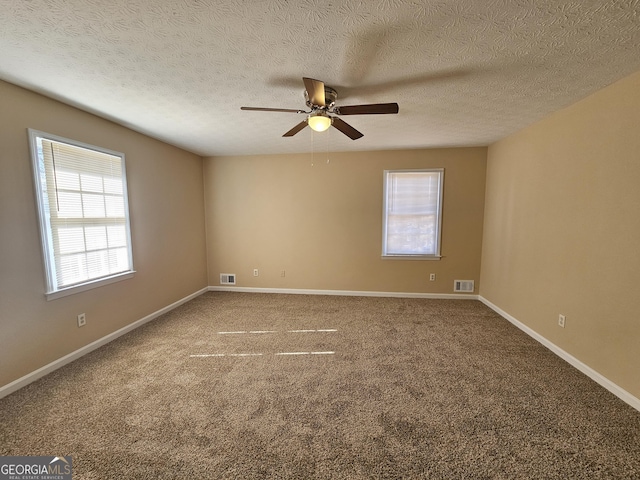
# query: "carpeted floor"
{"type": "Point", "coordinates": [262, 386]}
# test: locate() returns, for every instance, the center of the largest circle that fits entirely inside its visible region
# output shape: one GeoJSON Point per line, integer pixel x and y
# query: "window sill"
{"type": "Point", "coordinates": [411, 257]}
{"type": "Point", "coordinates": [89, 285]}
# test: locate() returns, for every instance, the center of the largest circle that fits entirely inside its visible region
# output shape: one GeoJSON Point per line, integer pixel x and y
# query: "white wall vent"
{"type": "Point", "coordinates": [463, 286]}
{"type": "Point", "coordinates": [227, 279]}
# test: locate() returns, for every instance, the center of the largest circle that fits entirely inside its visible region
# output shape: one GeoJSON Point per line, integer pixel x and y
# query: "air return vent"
{"type": "Point", "coordinates": [227, 279]}
{"type": "Point", "coordinates": [463, 286]}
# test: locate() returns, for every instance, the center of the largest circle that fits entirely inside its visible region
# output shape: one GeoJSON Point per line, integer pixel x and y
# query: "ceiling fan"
{"type": "Point", "coordinates": [322, 102]}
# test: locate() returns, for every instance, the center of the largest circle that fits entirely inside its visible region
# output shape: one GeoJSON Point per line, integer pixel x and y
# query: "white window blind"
{"type": "Point", "coordinates": [84, 218]}
{"type": "Point", "coordinates": [412, 213]}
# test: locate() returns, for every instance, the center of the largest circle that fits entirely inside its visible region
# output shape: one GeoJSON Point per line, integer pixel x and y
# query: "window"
{"type": "Point", "coordinates": [81, 194]}
{"type": "Point", "coordinates": [412, 213]}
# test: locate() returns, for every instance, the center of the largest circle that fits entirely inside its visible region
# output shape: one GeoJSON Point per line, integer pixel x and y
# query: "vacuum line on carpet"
{"type": "Point", "coordinates": [259, 332]}
{"type": "Point", "coordinates": [207, 355]}
{"type": "Point", "coordinates": [305, 353]}
{"type": "Point", "coordinates": [204, 355]}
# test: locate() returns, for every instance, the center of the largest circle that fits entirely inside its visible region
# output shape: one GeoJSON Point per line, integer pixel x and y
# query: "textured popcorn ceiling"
{"type": "Point", "coordinates": [464, 72]}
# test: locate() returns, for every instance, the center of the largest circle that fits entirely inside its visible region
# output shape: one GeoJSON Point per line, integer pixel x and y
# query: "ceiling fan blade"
{"type": "Point", "coordinates": [373, 109]}
{"type": "Point", "coordinates": [263, 109]}
{"type": "Point", "coordinates": [315, 90]}
{"type": "Point", "coordinates": [347, 129]}
{"type": "Point", "coordinates": [296, 129]}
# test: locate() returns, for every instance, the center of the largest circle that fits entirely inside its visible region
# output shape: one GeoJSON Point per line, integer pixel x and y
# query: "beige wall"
{"type": "Point", "coordinates": [166, 206]}
{"type": "Point", "coordinates": [322, 222]}
{"type": "Point", "coordinates": [562, 230]}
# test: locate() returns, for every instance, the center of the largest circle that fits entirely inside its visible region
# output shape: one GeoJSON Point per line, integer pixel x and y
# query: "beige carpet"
{"type": "Point", "coordinates": [253, 386]}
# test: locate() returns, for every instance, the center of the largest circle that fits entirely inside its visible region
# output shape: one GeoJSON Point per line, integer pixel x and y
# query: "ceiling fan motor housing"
{"type": "Point", "coordinates": [330, 97]}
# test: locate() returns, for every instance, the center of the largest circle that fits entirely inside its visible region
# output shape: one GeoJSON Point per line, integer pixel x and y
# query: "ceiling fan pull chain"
{"type": "Point", "coordinates": [313, 147]}
{"type": "Point", "coordinates": [326, 137]}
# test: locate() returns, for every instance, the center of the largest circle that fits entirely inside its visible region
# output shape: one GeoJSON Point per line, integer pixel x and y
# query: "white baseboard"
{"type": "Point", "coordinates": [346, 293]}
{"type": "Point", "coordinates": [41, 372]}
{"type": "Point", "coordinates": [619, 392]}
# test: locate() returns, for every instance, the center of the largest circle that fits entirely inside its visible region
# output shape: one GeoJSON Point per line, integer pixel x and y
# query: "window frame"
{"type": "Point", "coordinates": [52, 289]}
{"type": "Point", "coordinates": [437, 255]}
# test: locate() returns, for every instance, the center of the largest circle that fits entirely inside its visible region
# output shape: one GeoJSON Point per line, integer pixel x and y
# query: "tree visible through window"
{"type": "Point", "coordinates": [84, 217]}
{"type": "Point", "coordinates": [412, 213]}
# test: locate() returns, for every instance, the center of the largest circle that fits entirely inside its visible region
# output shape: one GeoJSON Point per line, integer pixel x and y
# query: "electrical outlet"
{"type": "Point", "coordinates": [255, 272]}
{"type": "Point", "coordinates": [432, 277]}
{"type": "Point", "coordinates": [561, 320]}
{"type": "Point", "coordinates": [82, 320]}
{"type": "Point", "coordinates": [283, 273]}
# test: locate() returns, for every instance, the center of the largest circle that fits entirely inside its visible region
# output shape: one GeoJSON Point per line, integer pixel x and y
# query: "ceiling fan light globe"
{"type": "Point", "coordinates": [319, 123]}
